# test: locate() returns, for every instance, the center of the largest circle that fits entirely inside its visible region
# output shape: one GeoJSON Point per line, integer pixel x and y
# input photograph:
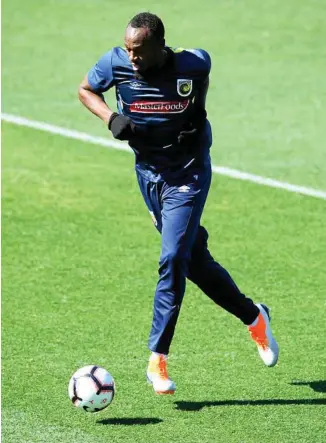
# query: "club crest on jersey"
{"type": "Point", "coordinates": [184, 87]}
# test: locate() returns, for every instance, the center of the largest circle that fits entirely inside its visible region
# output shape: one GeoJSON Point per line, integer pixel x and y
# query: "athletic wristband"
{"type": "Point", "coordinates": [113, 116]}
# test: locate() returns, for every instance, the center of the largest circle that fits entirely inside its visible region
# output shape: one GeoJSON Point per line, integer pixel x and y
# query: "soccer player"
{"type": "Point", "coordinates": [161, 96]}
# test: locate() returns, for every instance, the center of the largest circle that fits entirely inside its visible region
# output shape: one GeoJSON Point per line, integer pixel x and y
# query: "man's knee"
{"type": "Point", "coordinates": [201, 239]}
{"type": "Point", "coordinates": [175, 259]}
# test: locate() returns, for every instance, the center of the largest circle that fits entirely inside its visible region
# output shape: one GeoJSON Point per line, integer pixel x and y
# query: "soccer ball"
{"type": "Point", "coordinates": [91, 388]}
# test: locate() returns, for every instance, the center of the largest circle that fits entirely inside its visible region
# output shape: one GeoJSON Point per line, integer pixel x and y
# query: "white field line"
{"type": "Point", "coordinates": [108, 143]}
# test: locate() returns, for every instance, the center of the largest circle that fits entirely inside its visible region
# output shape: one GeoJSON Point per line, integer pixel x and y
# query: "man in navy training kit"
{"type": "Point", "coordinates": [161, 96]}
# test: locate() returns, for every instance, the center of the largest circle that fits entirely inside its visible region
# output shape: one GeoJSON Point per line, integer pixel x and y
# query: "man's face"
{"type": "Point", "coordinates": [143, 49]}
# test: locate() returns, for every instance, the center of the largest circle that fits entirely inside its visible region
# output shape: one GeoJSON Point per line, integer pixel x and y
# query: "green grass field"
{"type": "Point", "coordinates": [79, 252]}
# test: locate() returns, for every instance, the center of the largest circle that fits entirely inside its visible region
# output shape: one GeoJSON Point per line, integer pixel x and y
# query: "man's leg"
{"type": "Point", "coordinates": [217, 284]}
{"type": "Point", "coordinates": [182, 207]}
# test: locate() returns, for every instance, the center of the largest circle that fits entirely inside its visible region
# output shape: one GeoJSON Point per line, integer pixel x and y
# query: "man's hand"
{"type": "Point", "coordinates": [122, 127]}
{"type": "Point", "coordinates": [191, 135]}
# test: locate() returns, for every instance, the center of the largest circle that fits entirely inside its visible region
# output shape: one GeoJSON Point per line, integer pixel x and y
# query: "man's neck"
{"type": "Point", "coordinates": [156, 69]}
{"type": "Point", "coordinates": [162, 59]}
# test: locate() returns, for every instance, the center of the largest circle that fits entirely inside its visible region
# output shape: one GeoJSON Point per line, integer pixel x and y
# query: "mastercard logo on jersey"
{"type": "Point", "coordinates": [158, 107]}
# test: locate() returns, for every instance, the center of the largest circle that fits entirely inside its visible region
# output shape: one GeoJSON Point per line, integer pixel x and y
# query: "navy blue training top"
{"type": "Point", "coordinates": [159, 105]}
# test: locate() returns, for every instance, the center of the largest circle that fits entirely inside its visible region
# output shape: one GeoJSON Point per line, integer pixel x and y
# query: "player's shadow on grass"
{"type": "Point", "coordinates": [317, 386]}
{"type": "Point", "coordinates": [198, 405]}
{"type": "Point", "coordinates": [130, 421]}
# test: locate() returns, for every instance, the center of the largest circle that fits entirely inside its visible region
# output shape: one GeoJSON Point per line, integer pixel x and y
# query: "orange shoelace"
{"type": "Point", "coordinates": [162, 368]}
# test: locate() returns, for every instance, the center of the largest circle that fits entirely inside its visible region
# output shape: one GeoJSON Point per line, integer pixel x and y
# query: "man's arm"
{"type": "Point", "coordinates": [122, 127]}
{"type": "Point", "coordinates": [200, 98]}
{"type": "Point", "coordinates": [197, 122]}
{"type": "Point", "coordinates": [94, 101]}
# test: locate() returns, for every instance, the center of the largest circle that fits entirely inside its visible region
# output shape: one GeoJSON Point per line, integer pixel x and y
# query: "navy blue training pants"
{"type": "Point", "coordinates": [176, 207]}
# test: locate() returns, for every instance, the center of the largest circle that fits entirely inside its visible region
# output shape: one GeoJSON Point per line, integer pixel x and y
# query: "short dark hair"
{"type": "Point", "coordinates": [150, 21]}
